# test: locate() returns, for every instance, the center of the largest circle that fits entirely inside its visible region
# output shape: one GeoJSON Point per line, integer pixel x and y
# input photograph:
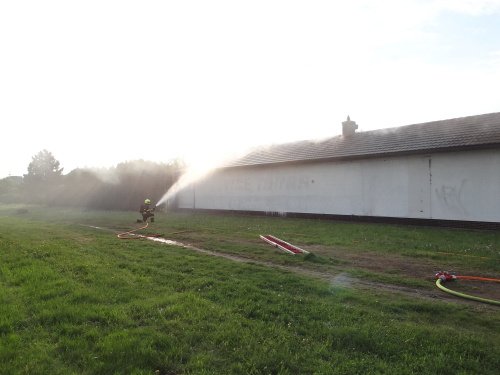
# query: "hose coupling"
{"type": "Point", "coordinates": [445, 276]}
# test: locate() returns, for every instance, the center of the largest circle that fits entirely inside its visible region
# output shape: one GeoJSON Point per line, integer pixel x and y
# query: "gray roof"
{"type": "Point", "coordinates": [482, 131]}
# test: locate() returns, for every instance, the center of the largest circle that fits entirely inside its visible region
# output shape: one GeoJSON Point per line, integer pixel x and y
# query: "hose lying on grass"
{"type": "Point", "coordinates": [444, 276]}
{"type": "Point", "coordinates": [130, 234]}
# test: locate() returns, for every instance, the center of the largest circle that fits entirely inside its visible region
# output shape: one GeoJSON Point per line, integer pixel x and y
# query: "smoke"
{"type": "Point", "coordinates": [105, 175]}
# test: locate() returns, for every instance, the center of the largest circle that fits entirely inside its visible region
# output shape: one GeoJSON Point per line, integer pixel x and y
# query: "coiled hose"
{"type": "Point", "coordinates": [130, 234]}
{"type": "Point", "coordinates": [444, 276]}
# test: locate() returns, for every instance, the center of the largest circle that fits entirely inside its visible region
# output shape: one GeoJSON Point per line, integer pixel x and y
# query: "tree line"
{"type": "Point", "coordinates": [123, 187]}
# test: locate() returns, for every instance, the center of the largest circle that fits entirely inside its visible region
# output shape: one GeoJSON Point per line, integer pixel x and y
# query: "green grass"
{"type": "Point", "coordinates": [75, 300]}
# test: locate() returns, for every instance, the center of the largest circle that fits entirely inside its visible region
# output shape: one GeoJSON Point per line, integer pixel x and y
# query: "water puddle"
{"type": "Point", "coordinates": [342, 280]}
{"type": "Point", "coordinates": [92, 226]}
{"type": "Point", "coordinates": [165, 241]}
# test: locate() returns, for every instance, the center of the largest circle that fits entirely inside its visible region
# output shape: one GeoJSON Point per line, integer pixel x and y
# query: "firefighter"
{"type": "Point", "coordinates": [147, 211]}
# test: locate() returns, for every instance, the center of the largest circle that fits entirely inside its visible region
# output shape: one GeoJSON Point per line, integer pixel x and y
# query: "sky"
{"type": "Point", "coordinates": [102, 82]}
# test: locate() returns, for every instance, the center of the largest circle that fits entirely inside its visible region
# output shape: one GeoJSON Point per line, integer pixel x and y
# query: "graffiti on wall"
{"type": "Point", "coordinates": [284, 183]}
{"type": "Point", "coordinates": [451, 196]}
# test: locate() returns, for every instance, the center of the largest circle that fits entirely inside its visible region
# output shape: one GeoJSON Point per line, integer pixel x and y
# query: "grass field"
{"type": "Point", "coordinates": [77, 300]}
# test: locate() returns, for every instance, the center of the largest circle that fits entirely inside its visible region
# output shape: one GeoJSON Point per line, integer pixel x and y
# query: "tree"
{"type": "Point", "coordinates": [43, 168]}
{"type": "Point", "coordinates": [41, 184]}
{"type": "Point", "coordinates": [10, 189]}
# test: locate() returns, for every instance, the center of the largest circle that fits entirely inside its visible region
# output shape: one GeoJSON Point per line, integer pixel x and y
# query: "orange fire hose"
{"type": "Point", "coordinates": [130, 234]}
{"type": "Point", "coordinates": [478, 278]}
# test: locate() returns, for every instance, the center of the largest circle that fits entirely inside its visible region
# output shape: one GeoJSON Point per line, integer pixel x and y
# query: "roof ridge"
{"type": "Point", "coordinates": [457, 133]}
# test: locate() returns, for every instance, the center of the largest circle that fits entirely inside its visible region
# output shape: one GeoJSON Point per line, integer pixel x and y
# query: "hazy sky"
{"type": "Point", "coordinates": [101, 82]}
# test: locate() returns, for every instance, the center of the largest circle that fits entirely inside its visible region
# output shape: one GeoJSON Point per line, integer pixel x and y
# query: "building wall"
{"type": "Point", "coordinates": [452, 186]}
{"type": "Point", "coordinates": [466, 186]}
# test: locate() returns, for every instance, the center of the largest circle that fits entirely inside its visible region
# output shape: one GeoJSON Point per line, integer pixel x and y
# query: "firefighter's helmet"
{"type": "Point", "coordinates": [147, 201]}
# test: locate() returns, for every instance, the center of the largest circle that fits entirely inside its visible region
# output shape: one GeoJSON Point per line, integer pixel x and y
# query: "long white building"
{"type": "Point", "coordinates": [443, 171]}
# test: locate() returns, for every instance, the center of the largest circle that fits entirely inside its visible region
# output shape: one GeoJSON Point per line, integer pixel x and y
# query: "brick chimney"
{"type": "Point", "coordinates": [349, 127]}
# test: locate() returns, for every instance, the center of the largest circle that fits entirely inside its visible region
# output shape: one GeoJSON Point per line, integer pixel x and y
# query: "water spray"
{"type": "Point", "coordinates": [197, 171]}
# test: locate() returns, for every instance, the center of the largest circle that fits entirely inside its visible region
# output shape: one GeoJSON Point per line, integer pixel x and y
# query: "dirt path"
{"type": "Point", "coordinates": [373, 262]}
{"type": "Point", "coordinates": [339, 279]}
